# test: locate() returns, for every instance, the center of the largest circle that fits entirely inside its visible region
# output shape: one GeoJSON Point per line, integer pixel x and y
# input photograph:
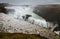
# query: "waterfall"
{"type": "Point", "coordinates": [20, 11]}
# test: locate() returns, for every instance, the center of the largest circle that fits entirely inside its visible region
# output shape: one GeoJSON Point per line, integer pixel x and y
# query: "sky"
{"type": "Point", "coordinates": [30, 2]}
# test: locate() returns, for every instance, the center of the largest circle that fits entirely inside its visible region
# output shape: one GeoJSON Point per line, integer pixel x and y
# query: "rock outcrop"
{"type": "Point", "coordinates": [11, 25]}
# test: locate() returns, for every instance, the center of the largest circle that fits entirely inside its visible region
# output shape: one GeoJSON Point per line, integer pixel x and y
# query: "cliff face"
{"type": "Point", "coordinates": [49, 12]}
{"type": "Point", "coordinates": [2, 7]}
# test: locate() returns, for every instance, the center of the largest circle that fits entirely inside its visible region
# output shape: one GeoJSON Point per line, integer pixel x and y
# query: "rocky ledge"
{"type": "Point", "coordinates": [11, 25]}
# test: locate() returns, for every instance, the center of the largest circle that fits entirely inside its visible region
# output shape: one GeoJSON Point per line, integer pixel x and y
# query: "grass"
{"type": "Point", "coordinates": [20, 36]}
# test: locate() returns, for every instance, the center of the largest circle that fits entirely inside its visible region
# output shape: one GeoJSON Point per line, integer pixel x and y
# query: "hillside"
{"type": "Point", "coordinates": [10, 25]}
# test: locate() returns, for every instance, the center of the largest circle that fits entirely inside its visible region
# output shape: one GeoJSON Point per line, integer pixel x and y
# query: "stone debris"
{"type": "Point", "coordinates": [11, 25]}
{"type": "Point", "coordinates": [47, 33]}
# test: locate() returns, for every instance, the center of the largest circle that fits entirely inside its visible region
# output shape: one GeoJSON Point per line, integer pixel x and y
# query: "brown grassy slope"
{"type": "Point", "coordinates": [19, 36]}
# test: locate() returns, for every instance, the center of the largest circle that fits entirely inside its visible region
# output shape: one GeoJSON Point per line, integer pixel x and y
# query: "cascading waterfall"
{"type": "Point", "coordinates": [17, 12]}
{"type": "Point", "coordinates": [22, 11]}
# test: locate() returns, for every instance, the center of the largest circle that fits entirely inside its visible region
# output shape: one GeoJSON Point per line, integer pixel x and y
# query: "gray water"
{"type": "Point", "coordinates": [22, 10]}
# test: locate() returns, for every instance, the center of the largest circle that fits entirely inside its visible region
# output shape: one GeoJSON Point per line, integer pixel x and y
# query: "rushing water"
{"type": "Point", "coordinates": [19, 11]}
{"type": "Point", "coordinates": [23, 10]}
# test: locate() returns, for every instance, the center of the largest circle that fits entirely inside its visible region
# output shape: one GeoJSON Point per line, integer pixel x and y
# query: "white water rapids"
{"type": "Point", "coordinates": [23, 10]}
